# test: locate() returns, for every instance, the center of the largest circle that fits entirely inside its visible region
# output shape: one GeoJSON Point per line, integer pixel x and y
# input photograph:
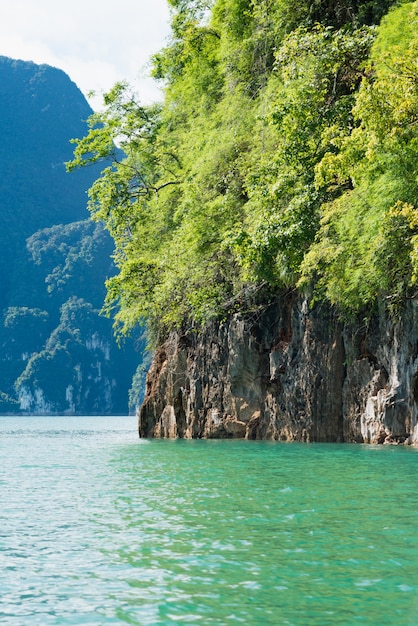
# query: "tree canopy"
{"type": "Point", "coordinates": [283, 155]}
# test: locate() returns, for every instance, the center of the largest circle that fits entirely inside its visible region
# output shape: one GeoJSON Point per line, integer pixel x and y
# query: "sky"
{"type": "Point", "coordinates": [96, 42]}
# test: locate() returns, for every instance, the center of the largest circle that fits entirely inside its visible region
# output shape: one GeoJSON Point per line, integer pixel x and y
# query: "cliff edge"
{"type": "Point", "coordinates": [288, 373]}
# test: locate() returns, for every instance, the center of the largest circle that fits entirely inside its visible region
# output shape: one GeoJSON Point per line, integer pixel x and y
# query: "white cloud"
{"type": "Point", "coordinates": [95, 42]}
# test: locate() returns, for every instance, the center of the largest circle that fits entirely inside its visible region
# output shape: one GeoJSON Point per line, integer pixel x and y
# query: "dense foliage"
{"type": "Point", "coordinates": [284, 154]}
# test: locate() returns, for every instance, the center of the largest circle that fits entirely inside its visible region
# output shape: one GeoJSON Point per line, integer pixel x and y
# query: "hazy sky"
{"type": "Point", "coordinates": [96, 42]}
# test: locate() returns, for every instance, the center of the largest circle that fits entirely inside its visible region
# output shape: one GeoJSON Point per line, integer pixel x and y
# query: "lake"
{"type": "Point", "coordinates": [98, 527]}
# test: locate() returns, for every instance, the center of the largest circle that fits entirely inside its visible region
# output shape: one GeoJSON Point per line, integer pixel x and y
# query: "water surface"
{"type": "Point", "coordinates": [98, 527]}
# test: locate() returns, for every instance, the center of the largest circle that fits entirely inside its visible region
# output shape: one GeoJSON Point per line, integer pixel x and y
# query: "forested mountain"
{"type": "Point", "coordinates": [58, 354]}
{"type": "Point", "coordinates": [283, 155]}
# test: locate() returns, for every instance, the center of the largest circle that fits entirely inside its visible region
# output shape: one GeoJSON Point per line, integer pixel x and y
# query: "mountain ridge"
{"type": "Point", "coordinates": [58, 352]}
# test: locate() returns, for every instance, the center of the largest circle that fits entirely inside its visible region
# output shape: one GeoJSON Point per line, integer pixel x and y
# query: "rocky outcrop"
{"type": "Point", "coordinates": [287, 373]}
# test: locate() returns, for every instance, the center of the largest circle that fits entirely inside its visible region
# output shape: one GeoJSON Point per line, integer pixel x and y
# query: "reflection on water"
{"type": "Point", "coordinates": [98, 527]}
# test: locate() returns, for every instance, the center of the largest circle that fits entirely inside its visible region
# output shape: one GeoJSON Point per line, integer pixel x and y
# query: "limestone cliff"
{"type": "Point", "coordinates": [57, 353]}
{"type": "Point", "coordinates": [288, 373]}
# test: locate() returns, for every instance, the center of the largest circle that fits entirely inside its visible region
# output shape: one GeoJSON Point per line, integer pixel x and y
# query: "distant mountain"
{"type": "Point", "coordinates": [57, 354]}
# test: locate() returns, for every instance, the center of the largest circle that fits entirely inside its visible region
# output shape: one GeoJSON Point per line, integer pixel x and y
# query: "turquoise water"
{"type": "Point", "coordinates": [98, 527]}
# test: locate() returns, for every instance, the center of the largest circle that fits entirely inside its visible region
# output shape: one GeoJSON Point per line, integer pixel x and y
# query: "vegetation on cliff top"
{"type": "Point", "coordinates": [284, 154]}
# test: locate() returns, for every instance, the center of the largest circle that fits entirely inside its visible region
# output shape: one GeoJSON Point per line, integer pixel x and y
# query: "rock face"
{"type": "Point", "coordinates": [288, 373]}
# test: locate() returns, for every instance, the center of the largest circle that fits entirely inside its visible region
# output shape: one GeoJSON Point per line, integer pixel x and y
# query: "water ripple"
{"type": "Point", "coordinates": [97, 527]}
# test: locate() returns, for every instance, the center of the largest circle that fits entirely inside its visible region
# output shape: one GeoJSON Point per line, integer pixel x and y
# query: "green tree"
{"type": "Point", "coordinates": [372, 169]}
{"type": "Point", "coordinates": [264, 161]}
{"type": "Point", "coordinates": [308, 100]}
